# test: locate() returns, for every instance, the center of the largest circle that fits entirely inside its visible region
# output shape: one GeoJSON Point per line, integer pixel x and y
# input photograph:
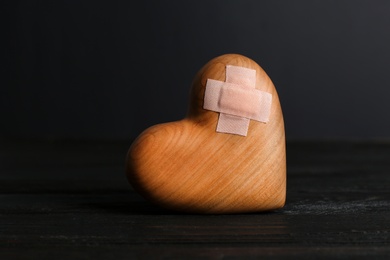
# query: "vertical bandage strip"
{"type": "Point", "coordinates": [237, 100]}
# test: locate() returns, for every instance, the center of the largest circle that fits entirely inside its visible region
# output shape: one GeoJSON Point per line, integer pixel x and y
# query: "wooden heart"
{"type": "Point", "coordinates": [187, 166]}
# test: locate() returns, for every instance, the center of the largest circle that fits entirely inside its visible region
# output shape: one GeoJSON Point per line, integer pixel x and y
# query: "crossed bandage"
{"type": "Point", "coordinates": [237, 100]}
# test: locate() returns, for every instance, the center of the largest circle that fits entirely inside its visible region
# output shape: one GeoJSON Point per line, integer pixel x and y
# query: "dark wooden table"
{"type": "Point", "coordinates": [71, 200]}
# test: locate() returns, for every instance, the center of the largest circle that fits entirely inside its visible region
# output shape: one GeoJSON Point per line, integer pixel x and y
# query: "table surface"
{"type": "Point", "coordinates": [71, 200]}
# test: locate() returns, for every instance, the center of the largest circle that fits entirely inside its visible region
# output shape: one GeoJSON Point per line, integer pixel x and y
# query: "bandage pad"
{"type": "Point", "coordinates": [237, 100]}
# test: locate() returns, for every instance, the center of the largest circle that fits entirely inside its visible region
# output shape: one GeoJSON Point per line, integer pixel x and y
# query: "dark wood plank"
{"type": "Point", "coordinates": [71, 200]}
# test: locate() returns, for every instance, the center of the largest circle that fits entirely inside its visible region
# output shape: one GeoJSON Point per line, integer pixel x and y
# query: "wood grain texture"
{"type": "Point", "coordinates": [70, 200]}
{"type": "Point", "coordinates": [187, 166]}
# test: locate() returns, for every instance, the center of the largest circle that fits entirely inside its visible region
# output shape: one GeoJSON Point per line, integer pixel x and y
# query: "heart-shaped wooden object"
{"type": "Point", "coordinates": [187, 166]}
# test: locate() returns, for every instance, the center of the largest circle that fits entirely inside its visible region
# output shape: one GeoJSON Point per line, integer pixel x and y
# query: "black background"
{"type": "Point", "coordinates": [109, 69]}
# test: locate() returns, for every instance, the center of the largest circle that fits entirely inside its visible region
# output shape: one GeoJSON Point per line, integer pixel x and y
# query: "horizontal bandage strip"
{"type": "Point", "coordinates": [234, 100]}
